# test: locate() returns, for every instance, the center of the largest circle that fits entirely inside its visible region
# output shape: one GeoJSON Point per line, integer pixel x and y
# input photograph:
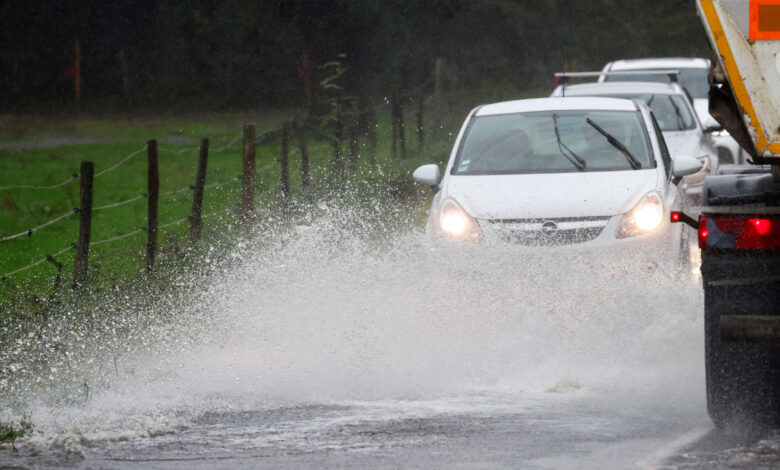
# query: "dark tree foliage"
{"type": "Point", "coordinates": [245, 53]}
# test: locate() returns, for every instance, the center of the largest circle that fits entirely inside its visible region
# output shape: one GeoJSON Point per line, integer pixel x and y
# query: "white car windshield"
{"type": "Point", "coordinates": [528, 143]}
{"type": "Point", "coordinates": [693, 79]}
{"type": "Point", "coordinates": [671, 111]}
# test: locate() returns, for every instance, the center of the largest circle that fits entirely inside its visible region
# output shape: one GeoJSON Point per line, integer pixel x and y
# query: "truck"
{"type": "Point", "coordinates": [738, 222]}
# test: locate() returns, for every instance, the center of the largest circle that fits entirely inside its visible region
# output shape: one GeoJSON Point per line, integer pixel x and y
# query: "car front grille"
{"type": "Point", "coordinates": [548, 232]}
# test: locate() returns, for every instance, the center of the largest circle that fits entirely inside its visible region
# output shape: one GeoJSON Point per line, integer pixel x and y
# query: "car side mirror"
{"type": "Point", "coordinates": [684, 166]}
{"type": "Point", "coordinates": [429, 175]}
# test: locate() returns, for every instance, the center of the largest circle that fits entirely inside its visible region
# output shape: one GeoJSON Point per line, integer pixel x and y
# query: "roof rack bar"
{"type": "Point", "coordinates": [564, 76]}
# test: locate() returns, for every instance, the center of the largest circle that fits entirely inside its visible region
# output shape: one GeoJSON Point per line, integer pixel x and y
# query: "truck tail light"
{"type": "Point", "coordinates": [739, 233]}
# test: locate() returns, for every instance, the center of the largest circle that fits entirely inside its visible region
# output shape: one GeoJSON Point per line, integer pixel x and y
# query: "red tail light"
{"type": "Point", "coordinates": [739, 233]}
{"type": "Point", "coordinates": [703, 232]}
{"type": "Point", "coordinates": [763, 226]}
{"type": "Point", "coordinates": [675, 216]}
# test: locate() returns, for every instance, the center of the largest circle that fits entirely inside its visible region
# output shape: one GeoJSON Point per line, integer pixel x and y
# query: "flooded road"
{"type": "Point", "coordinates": [334, 352]}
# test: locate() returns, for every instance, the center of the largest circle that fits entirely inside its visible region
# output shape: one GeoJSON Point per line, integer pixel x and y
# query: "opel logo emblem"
{"type": "Point", "coordinates": [549, 228]}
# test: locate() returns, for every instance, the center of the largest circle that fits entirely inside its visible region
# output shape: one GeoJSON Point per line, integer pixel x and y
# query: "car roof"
{"type": "Point", "coordinates": [556, 104]}
{"type": "Point", "coordinates": [659, 63]}
{"type": "Point", "coordinates": [645, 88]}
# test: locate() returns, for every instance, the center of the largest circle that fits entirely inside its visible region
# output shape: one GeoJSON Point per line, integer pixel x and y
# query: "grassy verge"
{"type": "Point", "coordinates": [45, 150]}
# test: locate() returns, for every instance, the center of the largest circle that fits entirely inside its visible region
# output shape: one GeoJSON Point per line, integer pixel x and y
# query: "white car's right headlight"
{"type": "Point", "coordinates": [645, 217]}
{"type": "Point", "coordinates": [455, 222]}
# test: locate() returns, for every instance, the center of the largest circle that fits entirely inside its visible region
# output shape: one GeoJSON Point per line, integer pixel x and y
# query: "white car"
{"type": "Point", "coordinates": [693, 77]}
{"type": "Point", "coordinates": [681, 128]}
{"type": "Point", "coordinates": [587, 172]}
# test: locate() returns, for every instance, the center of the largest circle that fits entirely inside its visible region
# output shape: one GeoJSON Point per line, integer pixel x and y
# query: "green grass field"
{"type": "Point", "coordinates": [46, 150]}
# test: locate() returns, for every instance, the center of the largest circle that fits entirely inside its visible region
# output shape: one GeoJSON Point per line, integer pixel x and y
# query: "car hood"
{"type": "Point", "coordinates": [686, 143]}
{"type": "Point", "coordinates": [701, 106]}
{"type": "Point", "coordinates": [552, 195]}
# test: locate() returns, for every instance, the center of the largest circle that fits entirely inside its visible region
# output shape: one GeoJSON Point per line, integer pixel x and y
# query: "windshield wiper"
{"type": "Point", "coordinates": [617, 144]}
{"type": "Point", "coordinates": [574, 159]}
{"type": "Point", "coordinates": [680, 120]}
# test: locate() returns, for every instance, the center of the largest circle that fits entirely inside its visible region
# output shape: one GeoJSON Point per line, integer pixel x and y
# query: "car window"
{"type": "Point", "coordinates": [693, 79]}
{"type": "Point", "coordinates": [527, 142]}
{"type": "Point", "coordinates": [665, 156]}
{"type": "Point", "coordinates": [672, 111]}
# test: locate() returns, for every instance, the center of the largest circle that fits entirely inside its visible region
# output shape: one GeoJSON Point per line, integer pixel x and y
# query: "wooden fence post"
{"type": "Point", "coordinates": [438, 74]}
{"type": "Point", "coordinates": [394, 126]}
{"type": "Point", "coordinates": [354, 135]}
{"type": "Point", "coordinates": [371, 120]}
{"type": "Point", "coordinates": [197, 197]}
{"type": "Point", "coordinates": [284, 178]}
{"type": "Point", "coordinates": [85, 225]}
{"type": "Point", "coordinates": [153, 174]}
{"type": "Point", "coordinates": [338, 158]}
{"type": "Point", "coordinates": [301, 129]}
{"type": "Point", "coordinates": [248, 176]}
{"type": "Point", "coordinates": [420, 129]}
{"type": "Point", "coordinates": [399, 110]}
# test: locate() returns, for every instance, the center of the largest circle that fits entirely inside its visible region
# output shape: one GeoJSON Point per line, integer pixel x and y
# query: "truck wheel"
{"type": "Point", "coordinates": [743, 379]}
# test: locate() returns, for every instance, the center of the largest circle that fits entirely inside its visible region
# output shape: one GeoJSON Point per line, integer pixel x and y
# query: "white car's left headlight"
{"type": "Point", "coordinates": [645, 217]}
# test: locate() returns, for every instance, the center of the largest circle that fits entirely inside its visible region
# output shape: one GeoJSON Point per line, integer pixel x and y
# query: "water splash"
{"type": "Point", "coordinates": [327, 313]}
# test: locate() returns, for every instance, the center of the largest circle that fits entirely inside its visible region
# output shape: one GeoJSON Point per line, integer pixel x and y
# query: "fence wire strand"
{"type": "Point", "coordinates": [72, 178]}
{"type": "Point", "coordinates": [120, 162]}
{"type": "Point", "coordinates": [120, 203]}
{"type": "Point", "coordinates": [228, 146]}
{"type": "Point", "coordinates": [30, 231]}
{"type": "Point", "coordinates": [118, 237]}
{"type": "Point", "coordinates": [25, 268]}
{"type": "Point", "coordinates": [75, 176]}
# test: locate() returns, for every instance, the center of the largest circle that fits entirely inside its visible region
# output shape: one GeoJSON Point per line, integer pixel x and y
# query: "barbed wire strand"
{"type": "Point", "coordinates": [120, 203]}
{"type": "Point", "coordinates": [120, 162]}
{"type": "Point", "coordinates": [101, 242]}
{"type": "Point", "coordinates": [137, 231]}
{"type": "Point", "coordinates": [25, 268]}
{"type": "Point", "coordinates": [192, 149]}
{"type": "Point", "coordinates": [30, 231]}
{"type": "Point", "coordinates": [228, 146]}
{"type": "Point", "coordinates": [118, 237]}
{"type": "Point", "coordinates": [175, 191]}
{"type": "Point", "coordinates": [72, 178]}
{"type": "Point", "coordinates": [75, 176]}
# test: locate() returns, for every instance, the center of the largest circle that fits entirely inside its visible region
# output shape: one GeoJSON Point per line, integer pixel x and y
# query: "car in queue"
{"type": "Point", "coordinates": [588, 173]}
{"type": "Point", "coordinates": [693, 76]}
{"type": "Point", "coordinates": [682, 130]}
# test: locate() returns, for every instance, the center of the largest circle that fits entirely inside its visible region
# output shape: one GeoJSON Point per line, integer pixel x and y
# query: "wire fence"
{"type": "Point", "coordinates": [120, 203]}
{"type": "Point", "coordinates": [120, 162]}
{"type": "Point", "coordinates": [29, 232]}
{"type": "Point", "coordinates": [258, 139]}
{"type": "Point", "coordinates": [32, 265]}
{"type": "Point", "coordinates": [70, 179]}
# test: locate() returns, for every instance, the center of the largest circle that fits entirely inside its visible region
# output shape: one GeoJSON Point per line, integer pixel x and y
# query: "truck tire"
{"type": "Point", "coordinates": [743, 379]}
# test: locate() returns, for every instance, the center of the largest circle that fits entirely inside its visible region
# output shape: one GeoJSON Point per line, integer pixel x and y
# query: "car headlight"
{"type": "Point", "coordinates": [645, 217]}
{"type": "Point", "coordinates": [456, 223]}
